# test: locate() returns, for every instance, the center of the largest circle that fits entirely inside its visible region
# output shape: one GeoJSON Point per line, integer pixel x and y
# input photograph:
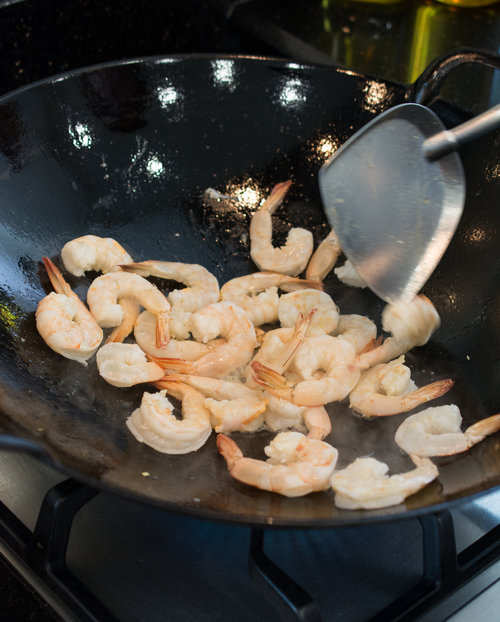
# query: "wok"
{"type": "Point", "coordinates": [126, 150]}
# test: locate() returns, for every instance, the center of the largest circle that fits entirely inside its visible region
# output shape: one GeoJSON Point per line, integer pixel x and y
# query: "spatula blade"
{"type": "Point", "coordinates": [393, 210]}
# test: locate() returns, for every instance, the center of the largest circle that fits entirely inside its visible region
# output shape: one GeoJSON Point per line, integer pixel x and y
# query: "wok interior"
{"type": "Point", "coordinates": [127, 151]}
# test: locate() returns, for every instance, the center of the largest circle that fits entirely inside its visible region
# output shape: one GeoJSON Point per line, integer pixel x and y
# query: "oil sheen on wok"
{"type": "Point", "coordinates": [267, 353]}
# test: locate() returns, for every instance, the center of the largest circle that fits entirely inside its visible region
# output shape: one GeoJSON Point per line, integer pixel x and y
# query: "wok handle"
{"type": "Point", "coordinates": [428, 85]}
{"type": "Point", "coordinates": [447, 141]}
{"type": "Point", "coordinates": [24, 445]}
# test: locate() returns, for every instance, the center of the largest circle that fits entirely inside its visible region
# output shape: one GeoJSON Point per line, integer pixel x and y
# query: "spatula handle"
{"type": "Point", "coordinates": [451, 140]}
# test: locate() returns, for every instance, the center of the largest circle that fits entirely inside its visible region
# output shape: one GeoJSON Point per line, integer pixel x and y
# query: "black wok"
{"type": "Point", "coordinates": [126, 150]}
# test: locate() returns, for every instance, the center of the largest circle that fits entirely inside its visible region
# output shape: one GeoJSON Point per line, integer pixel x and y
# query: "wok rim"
{"type": "Point", "coordinates": [365, 518]}
{"type": "Point", "coordinates": [159, 58]}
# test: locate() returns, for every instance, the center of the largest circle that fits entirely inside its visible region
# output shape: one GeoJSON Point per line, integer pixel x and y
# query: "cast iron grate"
{"type": "Point", "coordinates": [41, 554]}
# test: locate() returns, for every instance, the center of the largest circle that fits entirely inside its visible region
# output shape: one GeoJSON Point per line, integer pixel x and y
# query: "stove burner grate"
{"type": "Point", "coordinates": [40, 556]}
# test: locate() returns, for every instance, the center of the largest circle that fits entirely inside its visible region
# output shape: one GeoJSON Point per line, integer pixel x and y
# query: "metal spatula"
{"type": "Point", "coordinates": [394, 193]}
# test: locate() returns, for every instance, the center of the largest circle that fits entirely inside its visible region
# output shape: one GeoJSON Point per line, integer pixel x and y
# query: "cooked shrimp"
{"type": "Point", "coordinates": [289, 259]}
{"type": "Point", "coordinates": [359, 331]}
{"type": "Point", "coordinates": [91, 252]}
{"type": "Point", "coordinates": [131, 309]}
{"type": "Point", "coordinates": [364, 484]}
{"type": "Point", "coordinates": [145, 336]}
{"type": "Point", "coordinates": [214, 388]}
{"type": "Point", "coordinates": [257, 293]}
{"type": "Point", "coordinates": [202, 289]}
{"type": "Point", "coordinates": [296, 465]}
{"type": "Point", "coordinates": [410, 323]}
{"type": "Point", "coordinates": [125, 364]}
{"type": "Point", "coordinates": [240, 414]}
{"type": "Point", "coordinates": [302, 301]}
{"type": "Point", "coordinates": [221, 319]}
{"type": "Point", "coordinates": [64, 322]}
{"type": "Point", "coordinates": [278, 347]}
{"type": "Point", "coordinates": [436, 431]}
{"type": "Point", "coordinates": [155, 424]}
{"type": "Point", "coordinates": [318, 353]}
{"type": "Point", "coordinates": [387, 389]}
{"type": "Point", "coordinates": [282, 415]}
{"type": "Point", "coordinates": [233, 406]}
{"type": "Point", "coordinates": [332, 358]}
{"type": "Point", "coordinates": [105, 291]}
{"type": "Point", "coordinates": [349, 275]}
{"type": "Point", "coordinates": [324, 258]}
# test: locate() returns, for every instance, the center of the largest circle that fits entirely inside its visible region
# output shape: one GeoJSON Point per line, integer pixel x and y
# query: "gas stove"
{"type": "Point", "coordinates": [71, 552]}
{"type": "Point", "coordinates": [94, 556]}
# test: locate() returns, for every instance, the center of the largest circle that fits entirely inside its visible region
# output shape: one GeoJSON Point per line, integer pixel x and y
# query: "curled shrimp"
{"type": "Point", "coordinates": [90, 252]}
{"type": "Point", "coordinates": [145, 336]}
{"type": "Point", "coordinates": [125, 365]}
{"type": "Point", "coordinates": [333, 358]}
{"type": "Point", "coordinates": [281, 414]}
{"type": "Point", "coordinates": [296, 465]}
{"type": "Point", "coordinates": [155, 424]}
{"type": "Point", "coordinates": [105, 291]}
{"type": "Point", "coordinates": [324, 258]}
{"type": "Point", "coordinates": [410, 323]}
{"type": "Point", "coordinates": [257, 293]}
{"type": "Point", "coordinates": [364, 484]}
{"type": "Point", "coordinates": [202, 289]}
{"type": "Point", "coordinates": [234, 350]}
{"type": "Point", "coordinates": [387, 389]}
{"type": "Point", "coordinates": [233, 406]}
{"type": "Point", "coordinates": [289, 259]}
{"type": "Point", "coordinates": [359, 330]}
{"type": "Point", "coordinates": [64, 322]}
{"type": "Point", "coordinates": [326, 314]}
{"type": "Point", "coordinates": [436, 431]}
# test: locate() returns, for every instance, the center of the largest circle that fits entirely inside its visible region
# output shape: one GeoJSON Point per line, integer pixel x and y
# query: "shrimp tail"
{"type": "Point", "coordinates": [56, 278]}
{"type": "Point", "coordinates": [372, 344]}
{"type": "Point", "coordinates": [276, 196]}
{"type": "Point", "coordinates": [169, 380]}
{"type": "Point", "coordinates": [428, 392]}
{"type": "Point", "coordinates": [173, 377]}
{"type": "Point", "coordinates": [162, 329]}
{"type": "Point", "coordinates": [130, 313]}
{"type": "Point", "coordinates": [174, 388]}
{"type": "Point", "coordinates": [274, 382]}
{"type": "Point", "coordinates": [283, 360]}
{"type": "Point", "coordinates": [479, 430]}
{"type": "Point", "coordinates": [175, 365]}
{"type": "Point", "coordinates": [142, 268]}
{"type": "Point", "coordinates": [136, 267]}
{"type": "Point", "coordinates": [229, 450]}
{"type": "Point", "coordinates": [266, 375]}
{"type": "Point", "coordinates": [158, 384]}
{"type": "Point", "coordinates": [301, 327]}
{"type": "Point", "coordinates": [120, 333]}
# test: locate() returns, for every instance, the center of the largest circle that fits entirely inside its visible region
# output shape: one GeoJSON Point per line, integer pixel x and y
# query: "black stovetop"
{"type": "Point", "coordinates": [138, 563]}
